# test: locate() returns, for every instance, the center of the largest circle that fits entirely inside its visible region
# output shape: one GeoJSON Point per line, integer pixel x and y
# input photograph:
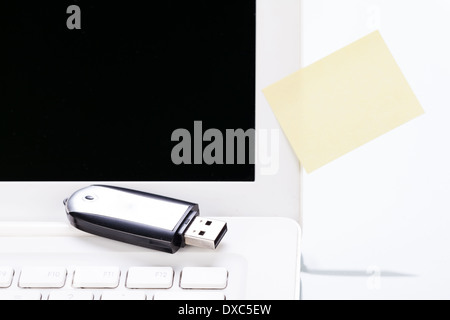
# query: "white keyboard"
{"type": "Point", "coordinates": [258, 259]}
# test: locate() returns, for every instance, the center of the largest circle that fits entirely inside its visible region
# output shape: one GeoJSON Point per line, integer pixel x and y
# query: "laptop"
{"type": "Point", "coordinates": [130, 95]}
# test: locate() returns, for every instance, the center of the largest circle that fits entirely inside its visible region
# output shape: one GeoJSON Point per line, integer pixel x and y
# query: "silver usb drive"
{"type": "Point", "coordinates": [142, 219]}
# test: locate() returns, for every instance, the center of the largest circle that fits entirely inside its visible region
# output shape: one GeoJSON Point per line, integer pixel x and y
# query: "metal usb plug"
{"type": "Point", "coordinates": [205, 233]}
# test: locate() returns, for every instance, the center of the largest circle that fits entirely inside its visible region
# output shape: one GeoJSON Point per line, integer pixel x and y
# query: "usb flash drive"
{"type": "Point", "coordinates": [142, 219]}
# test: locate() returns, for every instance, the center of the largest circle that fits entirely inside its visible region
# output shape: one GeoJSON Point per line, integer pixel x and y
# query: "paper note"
{"type": "Point", "coordinates": [342, 101]}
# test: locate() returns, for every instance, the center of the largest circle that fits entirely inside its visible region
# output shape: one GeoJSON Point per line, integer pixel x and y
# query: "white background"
{"type": "Point", "coordinates": [387, 204]}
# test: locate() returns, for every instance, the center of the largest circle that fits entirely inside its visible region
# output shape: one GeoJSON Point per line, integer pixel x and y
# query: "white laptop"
{"type": "Point", "coordinates": [62, 130]}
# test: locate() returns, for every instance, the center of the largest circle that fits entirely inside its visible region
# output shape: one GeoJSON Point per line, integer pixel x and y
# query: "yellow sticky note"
{"type": "Point", "coordinates": [342, 101]}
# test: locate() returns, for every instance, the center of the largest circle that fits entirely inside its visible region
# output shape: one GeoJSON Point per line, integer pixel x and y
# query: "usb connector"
{"type": "Point", "coordinates": [205, 233]}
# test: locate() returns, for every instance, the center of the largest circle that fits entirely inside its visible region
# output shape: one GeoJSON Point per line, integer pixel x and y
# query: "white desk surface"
{"type": "Point", "coordinates": [386, 205]}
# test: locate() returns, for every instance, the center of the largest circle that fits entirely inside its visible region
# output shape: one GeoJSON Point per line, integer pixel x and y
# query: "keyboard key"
{"type": "Point", "coordinates": [204, 278]}
{"type": "Point", "coordinates": [124, 296]}
{"type": "Point", "coordinates": [20, 295]}
{"type": "Point", "coordinates": [96, 277]}
{"type": "Point", "coordinates": [42, 277]}
{"type": "Point", "coordinates": [150, 278]}
{"type": "Point", "coordinates": [71, 295]}
{"type": "Point", "coordinates": [6, 277]}
{"type": "Point", "coordinates": [211, 295]}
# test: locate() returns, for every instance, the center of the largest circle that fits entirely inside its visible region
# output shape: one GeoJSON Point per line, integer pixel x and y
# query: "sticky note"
{"type": "Point", "coordinates": [343, 101]}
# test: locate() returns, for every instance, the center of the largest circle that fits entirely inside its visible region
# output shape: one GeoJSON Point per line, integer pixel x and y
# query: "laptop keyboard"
{"type": "Point", "coordinates": [258, 260]}
{"type": "Point", "coordinates": [113, 283]}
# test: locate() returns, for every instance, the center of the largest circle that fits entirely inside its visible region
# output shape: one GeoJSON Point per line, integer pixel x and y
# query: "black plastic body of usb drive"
{"type": "Point", "coordinates": [142, 219]}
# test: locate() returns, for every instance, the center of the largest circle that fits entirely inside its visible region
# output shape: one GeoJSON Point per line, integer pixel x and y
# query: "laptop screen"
{"type": "Point", "coordinates": [94, 91]}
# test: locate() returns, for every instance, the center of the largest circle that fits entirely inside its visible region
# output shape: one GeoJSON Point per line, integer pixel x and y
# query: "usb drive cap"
{"type": "Point", "coordinates": [205, 232]}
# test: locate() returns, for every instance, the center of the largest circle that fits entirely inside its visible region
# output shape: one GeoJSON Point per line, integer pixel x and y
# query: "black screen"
{"type": "Point", "coordinates": [101, 103]}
